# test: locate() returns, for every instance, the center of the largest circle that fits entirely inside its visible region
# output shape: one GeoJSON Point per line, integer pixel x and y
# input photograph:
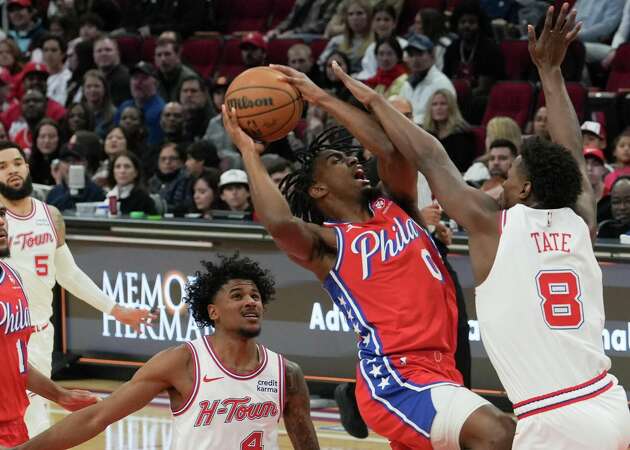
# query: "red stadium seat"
{"type": "Point", "coordinates": [202, 55]}
{"type": "Point", "coordinates": [231, 63]}
{"type": "Point", "coordinates": [130, 47]}
{"type": "Point", "coordinates": [277, 53]}
{"type": "Point", "coordinates": [578, 95]}
{"type": "Point", "coordinates": [619, 78]}
{"type": "Point", "coordinates": [517, 60]}
{"type": "Point", "coordinates": [411, 8]}
{"type": "Point", "coordinates": [512, 99]}
{"type": "Point", "coordinates": [281, 9]}
{"type": "Point", "coordinates": [246, 15]}
{"type": "Point", "coordinates": [462, 88]}
{"type": "Point", "coordinates": [148, 48]}
{"type": "Point", "coordinates": [480, 139]}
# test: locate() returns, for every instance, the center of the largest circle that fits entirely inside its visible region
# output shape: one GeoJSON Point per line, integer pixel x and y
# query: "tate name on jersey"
{"type": "Point", "coordinates": [551, 242]}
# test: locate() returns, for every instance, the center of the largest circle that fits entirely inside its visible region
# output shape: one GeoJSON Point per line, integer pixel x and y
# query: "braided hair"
{"type": "Point", "coordinates": [295, 186]}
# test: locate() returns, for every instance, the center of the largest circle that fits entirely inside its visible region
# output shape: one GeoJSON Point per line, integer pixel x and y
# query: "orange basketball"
{"type": "Point", "coordinates": [267, 107]}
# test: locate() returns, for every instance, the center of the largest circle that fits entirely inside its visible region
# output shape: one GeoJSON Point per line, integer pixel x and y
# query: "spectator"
{"type": "Point", "coordinates": [197, 107]}
{"type": "Point", "coordinates": [116, 143]}
{"type": "Point", "coordinates": [277, 167]}
{"type": "Point", "coordinates": [497, 128]}
{"type": "Point", "coordinates": [80, 61]}
{"type": "Point", "coordinates": [539, 126]}
{"type": "Point", "coordinates": [391, 73]}
{"type": "Point", "coordinates": [79, 117]}
{"type": "Point", "coordinates": [217, 93]}
{"type": "Point", "coordinates": [622, 160]}
{"type": "Point", "coordinates": [596, 52]}
{"type": "Point", "coordinates": [63, 26]}
{"type": "Point", "coordinates": [60, 196]}
{"type": "Point", "coordinates": [171, 71]}
{"type": "Point", "coordinates": [10, 57]}
{"type": "Point", "coordinates": [107, 10]}
{"type": "Point", "coordinates": [25, 28]}
{"type": "Point", "coordinates": [7, 100]}
{"type": "Point", "coordinates": [90, 145]}
{"type": "Point", "coordinates": [170, 181]}
{"type": "Point", "coordinates": [356, 36]}
{"type": "Point", "coordinates": [445, 122]}
{"type": "Point", "coordinates": [474, 56]}
{"type": "Point", "coordinates": [383, 26]}
{"type": "Point", "coordinates": [33, 107]}
{"type": "Point", "coordinates": [620, 210]}
{"type": "Point", "coordinates": [96, 98]}
{"type": "Point", "coordinates": [432, 24]}
{"type": "Point", "coordinates": [172, 122]}
{"type": "Point", "coordinates": [46, 145]}
{"type": "Point", "coordinates": [153, 17]}
{"type": "Point", "coordinates": [54, 51]}
{"type": "Point", "coordinates": [300, 58]}
{"type": "Point", "coordinates": [502, 155]}
{"type": "Point", "coordinates": [424, 78]}
{"type": "Point", "coordinates": [234, 190]}
{"type": "Point", "coordinates": [201, 155]}
{"type": "Point", "coordinates": [596, 171]}
{"type": "Point", "coordinates": [125, 175]}
{"type": "Point", "coordinates": [205, 189]}
{"type": "Point", "coordinates": [107, 59]}
{"type": "Point", "coordinates": [599, 19]}
{"type": "Point", "coordinates": [144, 96]}
{"type": "Point", "coordinates": [132, 124]}
{"type": "Point", "coordinates": [253, 50]}
{"type": "Point", "coordinates": [593, 135]}
{"type": "Point", "coordinates": [90, 28]}
{"type": "Point", "coordinates": [306, 17]}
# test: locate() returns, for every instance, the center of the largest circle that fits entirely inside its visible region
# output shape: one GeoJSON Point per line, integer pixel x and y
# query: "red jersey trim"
{"type": "Point", "coordinates": [248, 376]}
{"type": "Point", "coordinates": [26, 217]}
{"type": "Point", "coordinates": [502, 219]}
{"type": "Point", "coordinates": [281, 389]}
{"type": "Point", "coordinates": [195, 390]}
{"type": "Point", "coordinates": [52, 224]}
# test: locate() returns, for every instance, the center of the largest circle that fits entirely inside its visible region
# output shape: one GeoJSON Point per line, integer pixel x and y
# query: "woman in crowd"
{"type": "Point", "coordinates": [116, 142]}
{"type": "Point", "coordinates": [80, 61]}
{"type": "Point", "coordinates": [46, 145]}
{"type": "Point", "coordinates": [619, 208]}
{"type": "Point", "coordinates": [391, 73]}
{"type": "Point", "coordinates": [79, 117]}
{"type": "Point", "coordinates": [384, 24]}
{"type": "Point", "coordinates": [432, 24]}
{"type": "Point", "coordinates": [622, 160]}
{"type": "Point", "coordinates": [206, 193]}
{"type": "Point", "coordinates": [10, 56]}
{"type": "Point", "coordinates": [88, 144]}
{"type": "Point", "coordinates": [132, 124]}
{"type": "Point", "coordinates": [356, 37]}
{"type": "Point", "coordinates": [97, 99]}
{"type": "Point", "coordinates": [125, 177]}
{"type": "Point", "coordinates": [446, 123]}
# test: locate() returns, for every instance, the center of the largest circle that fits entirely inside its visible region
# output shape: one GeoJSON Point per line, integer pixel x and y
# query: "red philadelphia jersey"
{"type": "Point", "coordinates": [15, 329]}
{"type": "Point", "coordinates": [395, 291]}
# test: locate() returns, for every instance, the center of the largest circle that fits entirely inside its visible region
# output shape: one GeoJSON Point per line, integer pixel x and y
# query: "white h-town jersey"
{"type": "Point", "coordinates": [33, 242]}
{"type": "Point", "coordinates": [541, 311]}
{"type": "Point", "coordinates": [228, 410]}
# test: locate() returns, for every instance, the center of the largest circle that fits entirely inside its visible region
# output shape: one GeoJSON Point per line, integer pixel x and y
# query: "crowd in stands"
{"type": "Point", "coordinates": [131, 90]}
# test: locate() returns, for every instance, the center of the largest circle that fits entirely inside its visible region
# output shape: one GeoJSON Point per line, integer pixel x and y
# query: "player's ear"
{"type": "Point", "coordinates": [317, 190]}
{"type": "Point", "coordinates": [526, 190]}
{"type": "Point", "coordinates": [212, 312]}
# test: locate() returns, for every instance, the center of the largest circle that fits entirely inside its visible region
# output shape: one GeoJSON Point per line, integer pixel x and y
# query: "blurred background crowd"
{"type": "Point", "coordinates": [131, 91]}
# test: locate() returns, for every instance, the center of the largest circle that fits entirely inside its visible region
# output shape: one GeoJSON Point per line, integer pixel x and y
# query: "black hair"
{"type": "Point", "coordinates": [472, 8]}
{"type": "Point", "coordinates": [205, 151]}
{"type": "Point", "coordinates": [295, 186]}
{"type": "Point", "coordinates": [5, 145]}
{"type": "Point", "coordinates": [53, 37]}
{"type": "Point", "coordinates": [90, 146]}
{"type": "Point", "coordinates": [392, 41]}
{"type": "Point", "coordinates": [180, 149]}
{"type": "Point", "coordinates": [203, 290]}
{"type": "Point", "coordinates": [277, 164]}
{"type": "Point", "coordinates": [553, 173]}
{"type": "Point", "coordinates": [91, 19]}
{"type": "Point", "coordinates": [505, 143]}
{"type": "Point", "coordinates": [138, 182]}
{"type": "Point", "coordinates": [202, 84]}
{"type": "Point", "coordinates": [386, 7]}
{"type": "Point", "coordinates": [433, 24]}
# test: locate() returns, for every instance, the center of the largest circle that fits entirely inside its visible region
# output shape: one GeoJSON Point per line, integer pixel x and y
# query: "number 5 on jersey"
{"type": "Point", "coordinates": [560, 293]}
{"type": "Point", "coordinates": [41, 265]}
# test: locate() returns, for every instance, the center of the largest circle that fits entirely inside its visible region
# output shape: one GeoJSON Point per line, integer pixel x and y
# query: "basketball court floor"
{"type": "Point", "coordinates": [150, 428]}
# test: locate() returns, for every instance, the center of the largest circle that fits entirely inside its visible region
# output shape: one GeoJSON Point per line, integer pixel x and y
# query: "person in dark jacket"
{"type": "Point", "coordinates": [125, 174]}
{"type": "Point", "coordinates": [170, 181]}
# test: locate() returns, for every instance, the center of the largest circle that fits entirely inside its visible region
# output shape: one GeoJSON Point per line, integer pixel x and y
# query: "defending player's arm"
{"type": "Point", "coordinates": [398, 177]}
{"type": "Point", "coordinates": [158, 374]}
{"type": "Point", "coordinates": [297, 413]}
{"type": "Point", "coordinates": [547, 53]}
{"type": "Point", "coordinates": [72, 278]}
{"type": "Point", "coordinates": [470, 207]}
{"type": "Point", "coordinates": [70, 399]}
{"type": "Point", "coordinates": [303, 242]}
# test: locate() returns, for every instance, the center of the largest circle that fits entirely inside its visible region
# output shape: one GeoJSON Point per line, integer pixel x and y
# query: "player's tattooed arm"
{"type": "Point", "coordinates": [60, 225]}
{"type": "Point", "coordinates": [297, 412]}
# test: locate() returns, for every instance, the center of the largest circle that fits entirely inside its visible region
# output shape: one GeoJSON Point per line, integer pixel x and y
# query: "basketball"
{"type": "Point", "coordinates": [267, 107]}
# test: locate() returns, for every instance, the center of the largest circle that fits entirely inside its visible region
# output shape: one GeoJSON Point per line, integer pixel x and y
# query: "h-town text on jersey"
{"type": "Point", "coordinates": [30, 239]}
{"type": "Point", "coordinates": [234, 409]}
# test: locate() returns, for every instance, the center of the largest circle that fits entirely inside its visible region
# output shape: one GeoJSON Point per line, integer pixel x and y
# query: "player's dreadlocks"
{"type": "Point", "coordinates": [295, 186]}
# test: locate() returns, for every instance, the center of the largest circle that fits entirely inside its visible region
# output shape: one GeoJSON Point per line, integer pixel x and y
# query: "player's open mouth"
{"type": "Point", "coordinates": [15, 179]}
{"type": "Point", "coordinates": [251, 316]}
{"type": "Point", "coordinates": [359, 174]}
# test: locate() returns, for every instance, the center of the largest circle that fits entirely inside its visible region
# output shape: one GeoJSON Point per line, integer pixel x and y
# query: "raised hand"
{"type": "Point", "coordinates": [549, 50]}
{"type": "Point", "coordinates": [76, 399]}
{"type": "Point", "coordinates": [309, 90]}
{"type": "Point", "coordinates": [241, 140]}
{"type": "Point", "coordinates": [361, 91]}
{"type": "Point", "coordinates": [133, 317]}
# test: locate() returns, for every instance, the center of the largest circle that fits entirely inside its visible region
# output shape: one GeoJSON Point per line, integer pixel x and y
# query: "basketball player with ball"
{"type": "Point", "coordinates": [539, 293]}
{"type": "Point", "coordinates": [41, 256]}
{"type": "Point", "coordinates": [226, 391]}
{"type": "Point", "coordinates": [378, 263]}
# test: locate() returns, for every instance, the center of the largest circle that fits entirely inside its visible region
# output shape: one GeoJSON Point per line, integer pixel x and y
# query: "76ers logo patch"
{"type": "Point", "coordinates": [379, 204]}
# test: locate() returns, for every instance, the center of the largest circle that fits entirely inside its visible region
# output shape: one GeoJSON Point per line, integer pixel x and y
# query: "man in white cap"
{"type": "Point", "coordinates": [234, 190]}
{"type": "Point", "coordinates": [593, 135]}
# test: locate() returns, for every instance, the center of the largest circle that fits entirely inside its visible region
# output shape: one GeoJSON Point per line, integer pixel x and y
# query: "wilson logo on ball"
{"type": "Point", "coordinates": [245, 102]}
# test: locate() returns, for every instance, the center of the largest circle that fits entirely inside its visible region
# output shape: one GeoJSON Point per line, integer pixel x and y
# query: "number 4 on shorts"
{"type": "Point", "coordinates": [253, 441]}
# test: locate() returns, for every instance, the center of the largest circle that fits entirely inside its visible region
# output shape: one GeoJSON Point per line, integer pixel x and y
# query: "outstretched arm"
{"type": "Point", "coordinates": [297, 413]}
{"type": "Point", "coordinates": [471, 208]}
{"type": "Point", "coordinates": [154, 377]}
{"type": "Point", "coordinates": [70, 399]}
{"type": "Point", "coordinates": [547, 53]}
